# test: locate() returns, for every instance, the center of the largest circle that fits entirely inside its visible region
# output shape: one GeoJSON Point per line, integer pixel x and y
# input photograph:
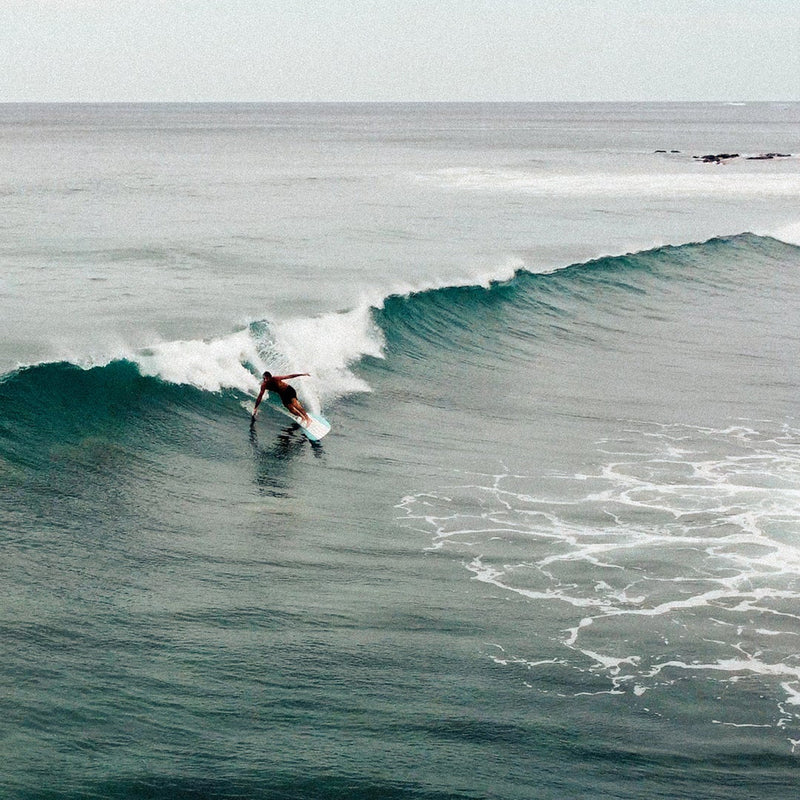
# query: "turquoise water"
{"type": "Point", "coordinates": [549, 548]}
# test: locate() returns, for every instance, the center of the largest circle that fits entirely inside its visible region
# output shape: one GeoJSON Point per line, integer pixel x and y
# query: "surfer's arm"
{"type": "Point", "coordinates": [293, 375]}
{"type": "Point", "coordinates": [258, 401]}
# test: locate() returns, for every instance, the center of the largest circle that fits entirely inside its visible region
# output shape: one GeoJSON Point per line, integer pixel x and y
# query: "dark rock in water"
{"type": "Point", "coordinates": [661, 151]}
{"type": "Point", "coordinates": [768, 156]}
{"type": "Point", "coordinates": [674, 151]}
{"type": "Point", "coordinates": [717, 159]}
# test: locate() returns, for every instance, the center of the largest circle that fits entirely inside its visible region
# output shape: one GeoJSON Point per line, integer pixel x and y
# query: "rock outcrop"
{"type": "Point", "coordinates": [768, 156]}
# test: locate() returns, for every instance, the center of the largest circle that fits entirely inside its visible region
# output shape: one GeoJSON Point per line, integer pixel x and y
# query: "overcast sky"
{"type": "Point", "coordinates": [379, 50]}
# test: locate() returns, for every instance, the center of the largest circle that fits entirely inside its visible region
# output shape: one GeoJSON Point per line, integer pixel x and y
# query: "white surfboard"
{"type": "Point", "coordinates": [315, 430]}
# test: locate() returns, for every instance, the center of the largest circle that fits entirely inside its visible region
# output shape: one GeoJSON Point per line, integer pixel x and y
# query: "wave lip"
{"type": "Point", "coordinates": [327, 346]}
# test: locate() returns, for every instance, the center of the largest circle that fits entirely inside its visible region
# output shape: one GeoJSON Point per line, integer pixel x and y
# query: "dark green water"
{"type": "Point", "coordinates": [552, 553]}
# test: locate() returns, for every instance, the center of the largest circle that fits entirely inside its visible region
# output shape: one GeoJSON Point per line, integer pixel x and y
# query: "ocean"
{"type": "Point", "coordinates": [550, 548]}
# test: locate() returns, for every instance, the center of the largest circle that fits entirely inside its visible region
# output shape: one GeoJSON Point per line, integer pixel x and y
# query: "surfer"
{"type": "Point", "coordinates": [287, 394]}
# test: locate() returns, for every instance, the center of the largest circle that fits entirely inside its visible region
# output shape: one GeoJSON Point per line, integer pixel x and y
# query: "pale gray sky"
{"type": "Point", "coordinates": [379, 50]}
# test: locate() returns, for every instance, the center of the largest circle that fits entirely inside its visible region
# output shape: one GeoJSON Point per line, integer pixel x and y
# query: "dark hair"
{"type": "Point", "coordinates": [267, 375]}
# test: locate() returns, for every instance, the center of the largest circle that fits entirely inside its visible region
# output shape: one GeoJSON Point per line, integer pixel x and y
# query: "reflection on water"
{"type": "Point", "coordinates": [272, 462]}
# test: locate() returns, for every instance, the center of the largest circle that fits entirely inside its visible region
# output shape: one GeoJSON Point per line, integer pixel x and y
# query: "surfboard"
{"type": "Point", "coordinates": [315, 430]}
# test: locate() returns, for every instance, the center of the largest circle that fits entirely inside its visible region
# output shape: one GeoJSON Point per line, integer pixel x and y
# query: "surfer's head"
{"type": "Point", "coordinates": [266, 376]}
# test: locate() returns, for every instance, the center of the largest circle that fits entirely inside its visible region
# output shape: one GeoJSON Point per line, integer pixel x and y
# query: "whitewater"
{"type": "Point", "coordinates": [550, 546]}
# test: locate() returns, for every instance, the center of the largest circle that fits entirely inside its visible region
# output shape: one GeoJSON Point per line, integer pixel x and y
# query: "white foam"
{"type": "Point", "coordinates": [209, 365]}
{"type": "Point", "coordinates": [738, 666]}
{"type": "Point", "coordinates": [327, 346]}
{"type": "Point", "coordinates": [687, 539]}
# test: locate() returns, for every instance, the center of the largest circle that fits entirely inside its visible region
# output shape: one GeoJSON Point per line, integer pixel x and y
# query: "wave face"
{"type": "Point", "coordinates": [707, 311]}
{"type": "Point", "coordinates": [721, 262]}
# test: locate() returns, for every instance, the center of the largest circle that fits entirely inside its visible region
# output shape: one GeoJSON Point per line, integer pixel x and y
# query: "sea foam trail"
{"type": "Point", "coordinates": [676, 559]}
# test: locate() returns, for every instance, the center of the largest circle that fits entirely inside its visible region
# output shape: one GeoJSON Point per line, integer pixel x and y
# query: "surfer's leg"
{"type": "Point", "coordinates": [294, 406]}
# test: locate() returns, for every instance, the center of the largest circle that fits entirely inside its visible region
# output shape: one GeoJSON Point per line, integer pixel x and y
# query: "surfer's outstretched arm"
{"type": "Point", "coordinates": [293, 375]}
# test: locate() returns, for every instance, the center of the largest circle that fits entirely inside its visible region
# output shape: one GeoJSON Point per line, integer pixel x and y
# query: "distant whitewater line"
{"type": "Point", "coordinates": [614, 185]}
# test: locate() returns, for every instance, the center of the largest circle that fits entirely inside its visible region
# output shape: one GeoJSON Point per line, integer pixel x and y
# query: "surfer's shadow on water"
{"type": "Point", "coordinates": [272, 461]}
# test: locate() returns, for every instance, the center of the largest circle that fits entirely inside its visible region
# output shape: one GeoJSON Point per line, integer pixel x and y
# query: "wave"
{"type": "Point", "coordinates": [493, 317]}
{"type": "Point", "coordinates": [570, 301]}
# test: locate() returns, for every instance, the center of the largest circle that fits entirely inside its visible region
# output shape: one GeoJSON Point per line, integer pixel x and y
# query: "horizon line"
{"type": "Point", "coordinates": [390, 102]}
